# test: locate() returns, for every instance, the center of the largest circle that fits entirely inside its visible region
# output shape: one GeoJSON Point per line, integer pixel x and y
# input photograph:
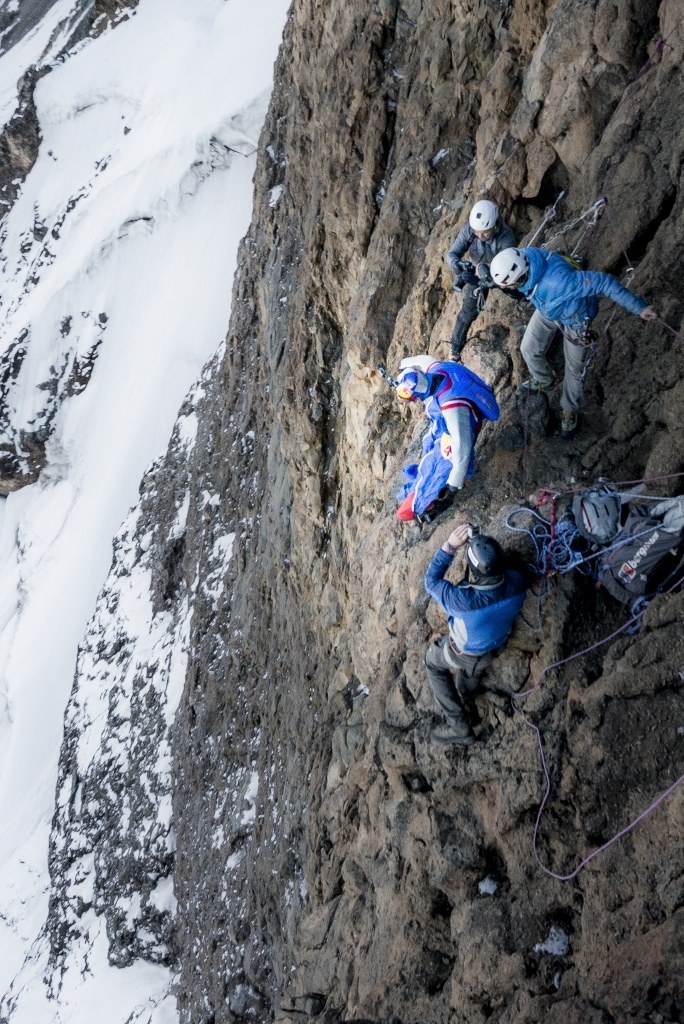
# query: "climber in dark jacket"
{"type": "Point", "coordinates": [564, 297]}
{"type": "Point", "coordinates": [481, 611]}
{"type": "Point", "coordinates": [483, 237]}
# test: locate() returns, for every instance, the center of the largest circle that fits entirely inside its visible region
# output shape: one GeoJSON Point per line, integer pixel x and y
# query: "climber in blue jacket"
{"type": "Point", "coordinates": [564, 297]}
{"type": "Point", "coordinates": [481, 610]}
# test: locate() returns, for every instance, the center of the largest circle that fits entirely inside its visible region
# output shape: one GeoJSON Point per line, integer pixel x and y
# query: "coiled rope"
{"type": "Point", "coordinates": [554, 553]}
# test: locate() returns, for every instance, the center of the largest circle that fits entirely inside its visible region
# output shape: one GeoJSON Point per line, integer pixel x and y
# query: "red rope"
{"type": "Point", "coordinates": [545, 493]}
{"type": "Point", "coordinates": [547, 497]}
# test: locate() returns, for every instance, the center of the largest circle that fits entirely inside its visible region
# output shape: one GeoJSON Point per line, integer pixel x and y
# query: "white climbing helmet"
{"type": "Point", "coordinates": [508, 267]}
{"type": "Point", "coordinates": [483, 215]}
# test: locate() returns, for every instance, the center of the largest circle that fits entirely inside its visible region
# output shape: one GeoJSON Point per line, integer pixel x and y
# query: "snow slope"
{"type": "Point", "coordinates": [142, 190]}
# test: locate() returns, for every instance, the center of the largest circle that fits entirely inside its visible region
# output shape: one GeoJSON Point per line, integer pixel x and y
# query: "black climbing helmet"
{"type": "Point", "coordinates": [485, 555]}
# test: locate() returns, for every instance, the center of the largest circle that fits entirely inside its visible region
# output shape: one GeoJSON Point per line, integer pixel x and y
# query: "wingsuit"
{"type": "Point", "coordinates": [457, 402]}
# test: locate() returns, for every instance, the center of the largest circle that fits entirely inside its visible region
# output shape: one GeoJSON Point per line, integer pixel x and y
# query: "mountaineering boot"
{"type": "Point", "coordinates": [536, 385]}
{"type": "Point", "coordinates": [568, 426]}
{"type": "Point", "coordinates": [458, 733]}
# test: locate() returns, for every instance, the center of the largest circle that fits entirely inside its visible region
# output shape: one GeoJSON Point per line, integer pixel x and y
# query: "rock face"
{"type": "Point", "coordinates": [330, 863]}
{"type": "Point", "coordinates": [114, 786]}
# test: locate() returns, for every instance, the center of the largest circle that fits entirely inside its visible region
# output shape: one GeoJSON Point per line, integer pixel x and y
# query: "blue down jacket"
{"type": "Point", "coordinates": [480, 617]}
{"type": "Point", "coordinates": [569, 296]}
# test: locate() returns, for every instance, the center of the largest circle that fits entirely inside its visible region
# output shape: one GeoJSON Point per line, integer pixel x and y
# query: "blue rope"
{"type": "Point", "coordinates": [551, 554]}
{"type": "Point", "coordinates": [557, 554]}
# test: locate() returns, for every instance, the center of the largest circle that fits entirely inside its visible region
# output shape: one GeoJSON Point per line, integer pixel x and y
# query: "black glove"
{"type": "Point", "coordinates": [448, 492]}
{"type": "Point", "coordinates": [465, 274]}
{"type": "Point", "coordinates": [442, 502]}
{"type": "Point", "coordinates": [469, 277]}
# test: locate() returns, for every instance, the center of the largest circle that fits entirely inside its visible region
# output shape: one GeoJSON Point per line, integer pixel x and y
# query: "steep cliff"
{"type": "Point", "coordinates": [330, 863]}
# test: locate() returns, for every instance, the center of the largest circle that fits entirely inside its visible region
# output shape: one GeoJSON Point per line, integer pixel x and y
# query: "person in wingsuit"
{"type": "Point", "coordinates": [564, 297]}
{"type": "Point", "coordinates": [485, 234]}
{"type": "Point", "coordinates": [481, 609]}
{"type": "Point", "coordinates": [457, 402]}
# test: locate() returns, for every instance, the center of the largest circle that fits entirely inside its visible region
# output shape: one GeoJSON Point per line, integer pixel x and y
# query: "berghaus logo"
{"type": "Point", "coordinates": [628, 568]}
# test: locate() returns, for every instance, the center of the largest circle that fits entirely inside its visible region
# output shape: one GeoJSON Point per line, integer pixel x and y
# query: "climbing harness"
{"type": "Point", "coordinates": [480, 296]}
{"type": "Point", "coordinates": [586, 340]}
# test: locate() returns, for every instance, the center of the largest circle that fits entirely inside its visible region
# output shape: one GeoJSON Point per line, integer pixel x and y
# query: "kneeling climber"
{"type": "Point", "coordinates": [564, 297]}
{"type": "Point", "coordinates": [481, 610]}
{"type": "Point", "coordinates": [485, 234]}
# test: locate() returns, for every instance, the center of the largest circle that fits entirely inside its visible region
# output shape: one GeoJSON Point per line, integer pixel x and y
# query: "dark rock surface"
{"type": "Point", "coordinates": [113, 842]}
{"type": "Point", "coordinates": [330, 863]}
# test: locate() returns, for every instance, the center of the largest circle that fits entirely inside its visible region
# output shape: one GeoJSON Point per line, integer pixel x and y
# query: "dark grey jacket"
{"type": "Point", "coordinates": [480, 252]}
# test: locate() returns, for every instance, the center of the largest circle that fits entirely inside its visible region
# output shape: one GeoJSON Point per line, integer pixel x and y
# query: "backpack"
{"type": "Point", "coordinates": [597, 514]}
{"type": "Point", "coordinates": [647, 552]}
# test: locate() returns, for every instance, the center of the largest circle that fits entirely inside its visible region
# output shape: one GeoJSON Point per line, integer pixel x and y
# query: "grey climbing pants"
{"type": "Point", "coordinates": [452, 676]}
{"type": "Point", "coordinates": [536, 340]}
